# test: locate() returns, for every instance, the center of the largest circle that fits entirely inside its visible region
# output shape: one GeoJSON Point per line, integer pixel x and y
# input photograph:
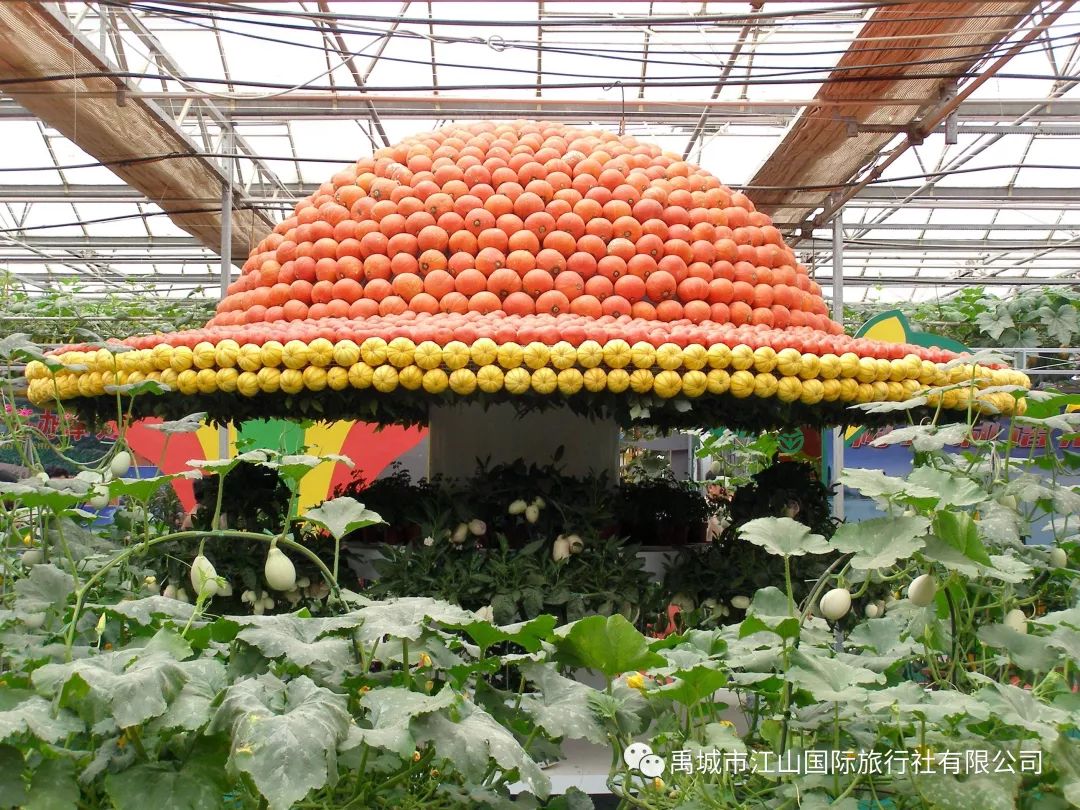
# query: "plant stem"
{"type": "Point", "coordinates": [214, 524]}
{"type": "Point", "coordinates": [80, 594]}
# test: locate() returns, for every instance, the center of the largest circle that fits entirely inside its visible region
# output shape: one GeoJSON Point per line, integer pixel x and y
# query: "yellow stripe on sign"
{"type": "Point", "coordinates": [889, 330]}
{"type": "Point", "coordinates": [208, 440]}
{"type": "Point", "coordinates": [321, 439]}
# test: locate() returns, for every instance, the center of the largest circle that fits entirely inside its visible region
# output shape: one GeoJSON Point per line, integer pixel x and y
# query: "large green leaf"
{"type": "Point", "coordinates": [924, 438]}
{"type": "Point", "coordinates": [144, 611]}
{"type": "Point", "coordinates": [692, 686]}
{"type": "Point", "coordinates": [891, 407]}
{"type": "Point", "coordinates": [1000, 524]}
{"type": "Point", "coordinates": [305, 641]}
{"type": "Point", "coordinates": [17, 346]}
{"type": "Point", "coordinates": [391, 711]}
{"type": "Point", "coordinates": [22, 711]}
{"type": "Point", "coordinates": [875, 484]}
{"type": "Point", "coordinates": [959, 531]}
{"type": "Point", "coordinates": [221, 466]}
{"type": "Point", "coordinates": [561, 707]}
{"type": "Point", "coordinates": [1067, 640]}
{"type": "Point", "coordinates": [1018, 707]}
{"type": "Point", "coordinates": [1065, 422]}
{"type": "Point", "coordinates": [185, 424]}
{"type": "Point", "coordinates": [880, 542]}
{"type": "Point", "coordinates": [882, 636]}
{"type": "Point", "coordinates": [284, 735]}
{"type": "Point", "coordinates": [1030, 652]}
{"type": "Point", "coordinates": [408, 617]}
{"type": "Point", "coordinates": [342, 515]}
{"type": "Point", "coordinates": [624, 708]}
{"type": "Point", "coordinates": [1069, 617]}
{"type": "Point", "coordinates": [47, 588]}
{"type": "Point", "coordinates": [769, 611]}
{"type": "Point", "coordinates": [161, 785]}
{"type": "Point", "coordinates": [55, 495]}
{"type": "Point", "coordinates": [952, 558]}
{"type": "Point", "coordinates": [143, 489]}
{"type": "Point", "coordinates": [783, 536]}
{"type": "Point", "coordinates": [986, 791]}
{"type": "Point", "coordinates": [53, 786]}
{"type": "Point", "coordinates": [529, 635]}
{"type": "Point", "coordinates": [1066, 758]}
{"type": "Point", "coordinates": [296, 466]}
{"type": "Point", "coordinates": [827, 678]}
{"type": "Point", "coordinates": [191, 710]}
{"type": "Point", "coordinates": [12, 789]}
{"type": "Point", "coordinates": [608, 644]}
{"type": "Point", "coordinates": [475, 738]}
{"type": "Point", "coordinates": [947, 489]}
{"type": "Point", "coordinates": [130, 685]}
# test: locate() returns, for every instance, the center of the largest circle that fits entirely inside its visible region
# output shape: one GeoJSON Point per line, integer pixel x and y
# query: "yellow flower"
{"type": "Point", "coordinates": [425, 660]}
{"type": "Point", "coordinates": [636, 681]}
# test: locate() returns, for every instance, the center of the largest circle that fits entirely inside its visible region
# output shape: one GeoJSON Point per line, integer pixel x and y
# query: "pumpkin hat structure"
{"type": "Point", "coordinates": [528, 262]}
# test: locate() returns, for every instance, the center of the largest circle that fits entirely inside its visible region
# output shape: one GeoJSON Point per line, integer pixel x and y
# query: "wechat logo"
{"type": "Point", "coordinates": [640, 757]}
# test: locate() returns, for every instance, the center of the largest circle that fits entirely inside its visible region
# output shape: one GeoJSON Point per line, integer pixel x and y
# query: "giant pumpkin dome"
{"type": "Point", "coordinates": [527, 262]}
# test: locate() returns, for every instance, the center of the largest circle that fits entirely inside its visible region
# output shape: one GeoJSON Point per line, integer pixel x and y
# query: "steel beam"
{"type": "Point", "coordinates": [118, 193]}
{"type": "Point", "coordinates": [940, 245]}
{"type": "Point", "coordinates": [106, 119]}
{"type": "Point", "coordinates": [821, 149]}
{"type": "Point", "coordinates": [115, 192]}
{"type": "Point", "coordinates": [685, 113]}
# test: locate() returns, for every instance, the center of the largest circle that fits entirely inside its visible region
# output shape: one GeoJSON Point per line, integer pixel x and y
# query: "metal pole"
{"type": "Point", "coordinates": [838, 316]}
{"type": "Point", "coordinates": [226, 251]}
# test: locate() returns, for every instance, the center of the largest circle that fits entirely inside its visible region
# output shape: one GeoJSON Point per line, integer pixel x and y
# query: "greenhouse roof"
{"type": "Point", "coordinates": [945, 132]}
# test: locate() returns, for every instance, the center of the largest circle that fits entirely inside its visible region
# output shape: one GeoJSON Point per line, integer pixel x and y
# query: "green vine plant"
{"type": "Point", "coordinates": [1036, 317]}
{"type": "Point", "coordinates": [66, 312]}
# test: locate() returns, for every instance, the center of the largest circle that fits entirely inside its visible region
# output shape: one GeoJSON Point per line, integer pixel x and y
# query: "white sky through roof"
{"type": "Point", "coordinates": [914, 249]}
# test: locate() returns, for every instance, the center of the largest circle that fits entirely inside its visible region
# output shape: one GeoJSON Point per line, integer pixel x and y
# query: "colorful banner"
{"type": "Point", "coordinates": [372, 449]}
